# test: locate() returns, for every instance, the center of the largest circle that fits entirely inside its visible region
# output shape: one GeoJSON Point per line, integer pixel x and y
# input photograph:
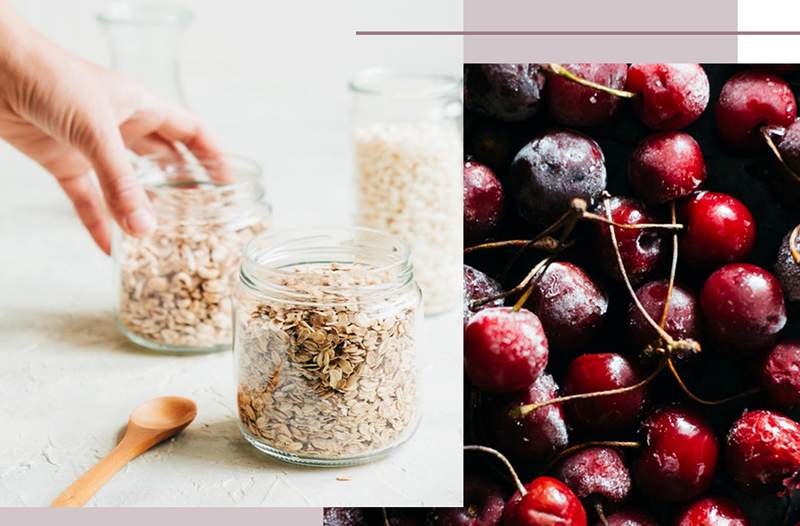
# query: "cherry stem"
{"type": "Point", "coordinates": [523, 410]}
{"type": "Point", "coordinates": [583, 445]}
{"type": "Point", "coordinates": [385, 517]}
{"type": "Point", "coordinates": [793, 244]}
{"type": "Point", "coordinates": [672, 271]}
{"type": "Point", "coordinates": [531, 280]}
{"type": "Point", "coordinates": [639, 226]}
{"type": "Point", "coordinates": [703, 401]}
{"type": "Point", "coordinates": [519, 288]}
{"type": "Point", "coordinates": [598, 508]}
{"type": "Point", "coordinates": [546, 243]}
{"type": "Point", "coordinates": [557, 69]}
{"type": "Point", "coordinates": [504, 460]}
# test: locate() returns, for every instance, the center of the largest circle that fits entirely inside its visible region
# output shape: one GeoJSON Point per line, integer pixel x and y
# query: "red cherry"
{"type": "Point", "coordinates": [743, 307]}
{"type": "Point", "coordinates": [569, 304]}
{"type": "Point", "coordinates": [478, 285]}
{"type": "Point", "coordinates": [666, 166]}
{"type": "Point", "coordinates": [483, 506]}
{"type": "Point", "coordinates": [670, 96]}
{"type": "Point", "coordinates": [718, 229]}
{"type": "Point", "coordinates": [641, 249]}
{"type": "Point", "coordinates": [679, 456]}
{"type": "Point", "coordinates": [549, 502]}
{"type": "Point", "coordinates": [504, 350]}
{"type": "Point", "coordinates": [602, 372]}
{"type": "Point", "coordinates": [780, 374]}
{"type": "Point", "coordinates": [343, 517]}
{"type": "Point", "coordinates": [537, 435]}
{"type": "Point", "coordinates": [508, 92]}
{"type": "Point", "coordinates": [752, 99]}
{"type": "Point", "coordinates": [596, 472]}
{"type": "Point", "coordinates": [572, 104]}
{"type": "Point", "coordinates": [763, 451]}
{"type": "Point", "coordinates": [483, 202]}
{"type": "Point", "coordinates": [629, 518]}
{"type": "Point", "coordinates": [682, 322]}
{"type": "Point", "coordinates": [712, 511]}
{"type": "Point", "coordinates": [788, 271]}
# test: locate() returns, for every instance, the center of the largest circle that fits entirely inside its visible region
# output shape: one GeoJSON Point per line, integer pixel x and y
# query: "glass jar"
{"type": "Point", "coordinates": [408, 159]}
{"type": "Point", "coordinates": [173, 286]}
{"type": "Point", "coordinates": [325, 345]}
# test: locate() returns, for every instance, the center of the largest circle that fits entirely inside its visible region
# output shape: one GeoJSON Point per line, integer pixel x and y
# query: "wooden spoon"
{"type": "Point", "coordinates": [149, 424]}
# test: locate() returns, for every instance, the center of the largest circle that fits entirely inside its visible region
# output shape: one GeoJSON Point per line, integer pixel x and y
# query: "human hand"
{"type": "Point", "coordinates": [72, 116]}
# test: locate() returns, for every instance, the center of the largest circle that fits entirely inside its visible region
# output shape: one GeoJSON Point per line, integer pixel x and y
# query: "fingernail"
{"type": "Point", "coordinates": [140, 222]}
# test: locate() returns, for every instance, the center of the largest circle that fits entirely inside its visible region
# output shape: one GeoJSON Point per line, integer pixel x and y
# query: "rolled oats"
{"type": "Point", "coordinates": [329, 377]}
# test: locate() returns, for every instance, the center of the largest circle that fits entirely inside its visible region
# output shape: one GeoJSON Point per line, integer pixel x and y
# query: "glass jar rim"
{"type": "Point", "coordinates": [264, 261]}
{"type": "Point", "coordinates": [153, 13]}
{"type": "Point", "coordinates": [407, 84]}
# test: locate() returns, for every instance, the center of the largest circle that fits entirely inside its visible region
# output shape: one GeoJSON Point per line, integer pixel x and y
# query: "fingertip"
{"type": "Point", "coordinates": [140, 222]}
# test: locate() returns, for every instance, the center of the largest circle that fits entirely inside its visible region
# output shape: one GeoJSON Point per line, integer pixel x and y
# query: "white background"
{"type": "Point", "coordinates": [772, 15]}
{"type": "Point", "coordinates": [270, 79]}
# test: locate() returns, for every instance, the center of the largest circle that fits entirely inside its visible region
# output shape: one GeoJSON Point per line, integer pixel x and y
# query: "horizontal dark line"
{"type": "Point", "coordinates": [577, 33]}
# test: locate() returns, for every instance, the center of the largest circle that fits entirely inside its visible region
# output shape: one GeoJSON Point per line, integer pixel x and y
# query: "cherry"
{"type": "Point", "coordinates": [641, 249]}
{"type": "Point", "coordinates": [596, 473]}
{"type": "Point", "coordinates": [788, 270]}
{"type": "Point", "coordinates": [750, 100]}
{"type": "Point", "coordinates": [483, 506]}
{"type": "Point", "coordinates": [763, 451]}
{"type": "Point", "coordinates": [478, 285]}
{"type": "Point", "coordinates": [572, 104]}
{"type": "Point", "coordinates": [670, 96]}
{"type": "Point", "coordinates": [403, 517]}
{"type": "Point", "coordinates": [343, 517]}
{"type": "Point", "coordinates": [589, 373]}
{"type": "Point", "coordinates": [780, 374]}
{"type": "Point", "coordinates": [666, 166]}
{"type": "Point", "coordinates": [719, 229]}
{"type": "Point", "coordinates": [504, 350]}
{"type": "Point", "coordinates": [483, 202]}
{"type": "Point", "coordinates": [569, 304]}
{"type": "Point", "coordinates": [509, 92]}
{"type": "Point", "coordinates": [537, 435]}
{"type": "Point", "coordinates": [679, 456]}
{"type": "Point", "coordinates": [629, 518]}
{"type": "Point", "coordinates": [554, 168]}
{"type": "Point", "coordinates": [789, 146]}
{"type": "Point", "coordinates": [742, 306]}
{"type": "Point", "coordinates": [548, 502]}
{"type": "Point", "coordinates": [682, 322]}
{"type": "Point", "coordinates": [712, 511]}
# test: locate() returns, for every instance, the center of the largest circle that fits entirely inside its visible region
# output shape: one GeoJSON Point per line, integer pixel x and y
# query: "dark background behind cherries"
{"type": "Point", "coordinates": [749, 177]}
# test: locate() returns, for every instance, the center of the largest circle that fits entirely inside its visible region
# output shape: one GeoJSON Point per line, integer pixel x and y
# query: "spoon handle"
{"type": "Point", "coordinates": [90, 482]}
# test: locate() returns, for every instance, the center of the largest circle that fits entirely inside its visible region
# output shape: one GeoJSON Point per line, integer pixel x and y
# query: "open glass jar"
{"type": "Point", "coordinates": [408, 143]}
{"type": "Point", "coordinates": [173, 286]}
{"type": "Point", "coordinates": [325, 345]}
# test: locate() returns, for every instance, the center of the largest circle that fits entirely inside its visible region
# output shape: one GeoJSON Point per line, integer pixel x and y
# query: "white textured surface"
{"type": "Point", "coordinates": [271, 82]}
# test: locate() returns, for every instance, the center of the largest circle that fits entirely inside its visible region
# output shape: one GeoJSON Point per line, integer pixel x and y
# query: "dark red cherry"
{"type": "Point", "coordinates": [549, 502]}
{"type": "Point", "coordinates": [504, 350]}
{"type": "Point", "coordinates": [536, 436]}
{"type": "Point", "coordinates": [483, 505]}
{"type": "Point", "coordinates": [629, 518]}
{"type": "Point", "coordinates": [718, 229]}
{"type": "Point", "coordinates": [742, 307]}
{"type": "Point", "coordinates": [552, 170]}
{"type": "Point", "coordinates": [596, 473]}
{"type": "Point", "coordinates": [478, 285]}
{"type": "Point", "coordinates": [788, 271]}
{"type": "Point", "coordinates": [572, 104]}
{"type": "Point", "coordinates": [750, 100]}
{"type": "Point", "coordinates": [508, 92]}
{"type": "Point", "coordinates": [589, 373]}
{"type": "Point", "coordinates": [682, 317]}
{"type": "Point", "coordinates": [343, 517]}
{"type": "Point", "coordinates": [679, 456]}
{"type": "Point", "coordinates": [570, 305]}
{"type": "Point", "coordinates": [763, 451]}
{"type": "Point", "coordinates": [789, 146]}
{"type": "Point", "coordinates": [712, 511]}
{"type": "Point", "coordinates": [666, 166]}
{"type": "Point", "coordinates": [641, 249]}
{"type": "Point", "coordinates": [483, 202]}
{"type": "Point", "coordinates": [669, 96]}
{"type": "Point", "coordinates": [780, 374]}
